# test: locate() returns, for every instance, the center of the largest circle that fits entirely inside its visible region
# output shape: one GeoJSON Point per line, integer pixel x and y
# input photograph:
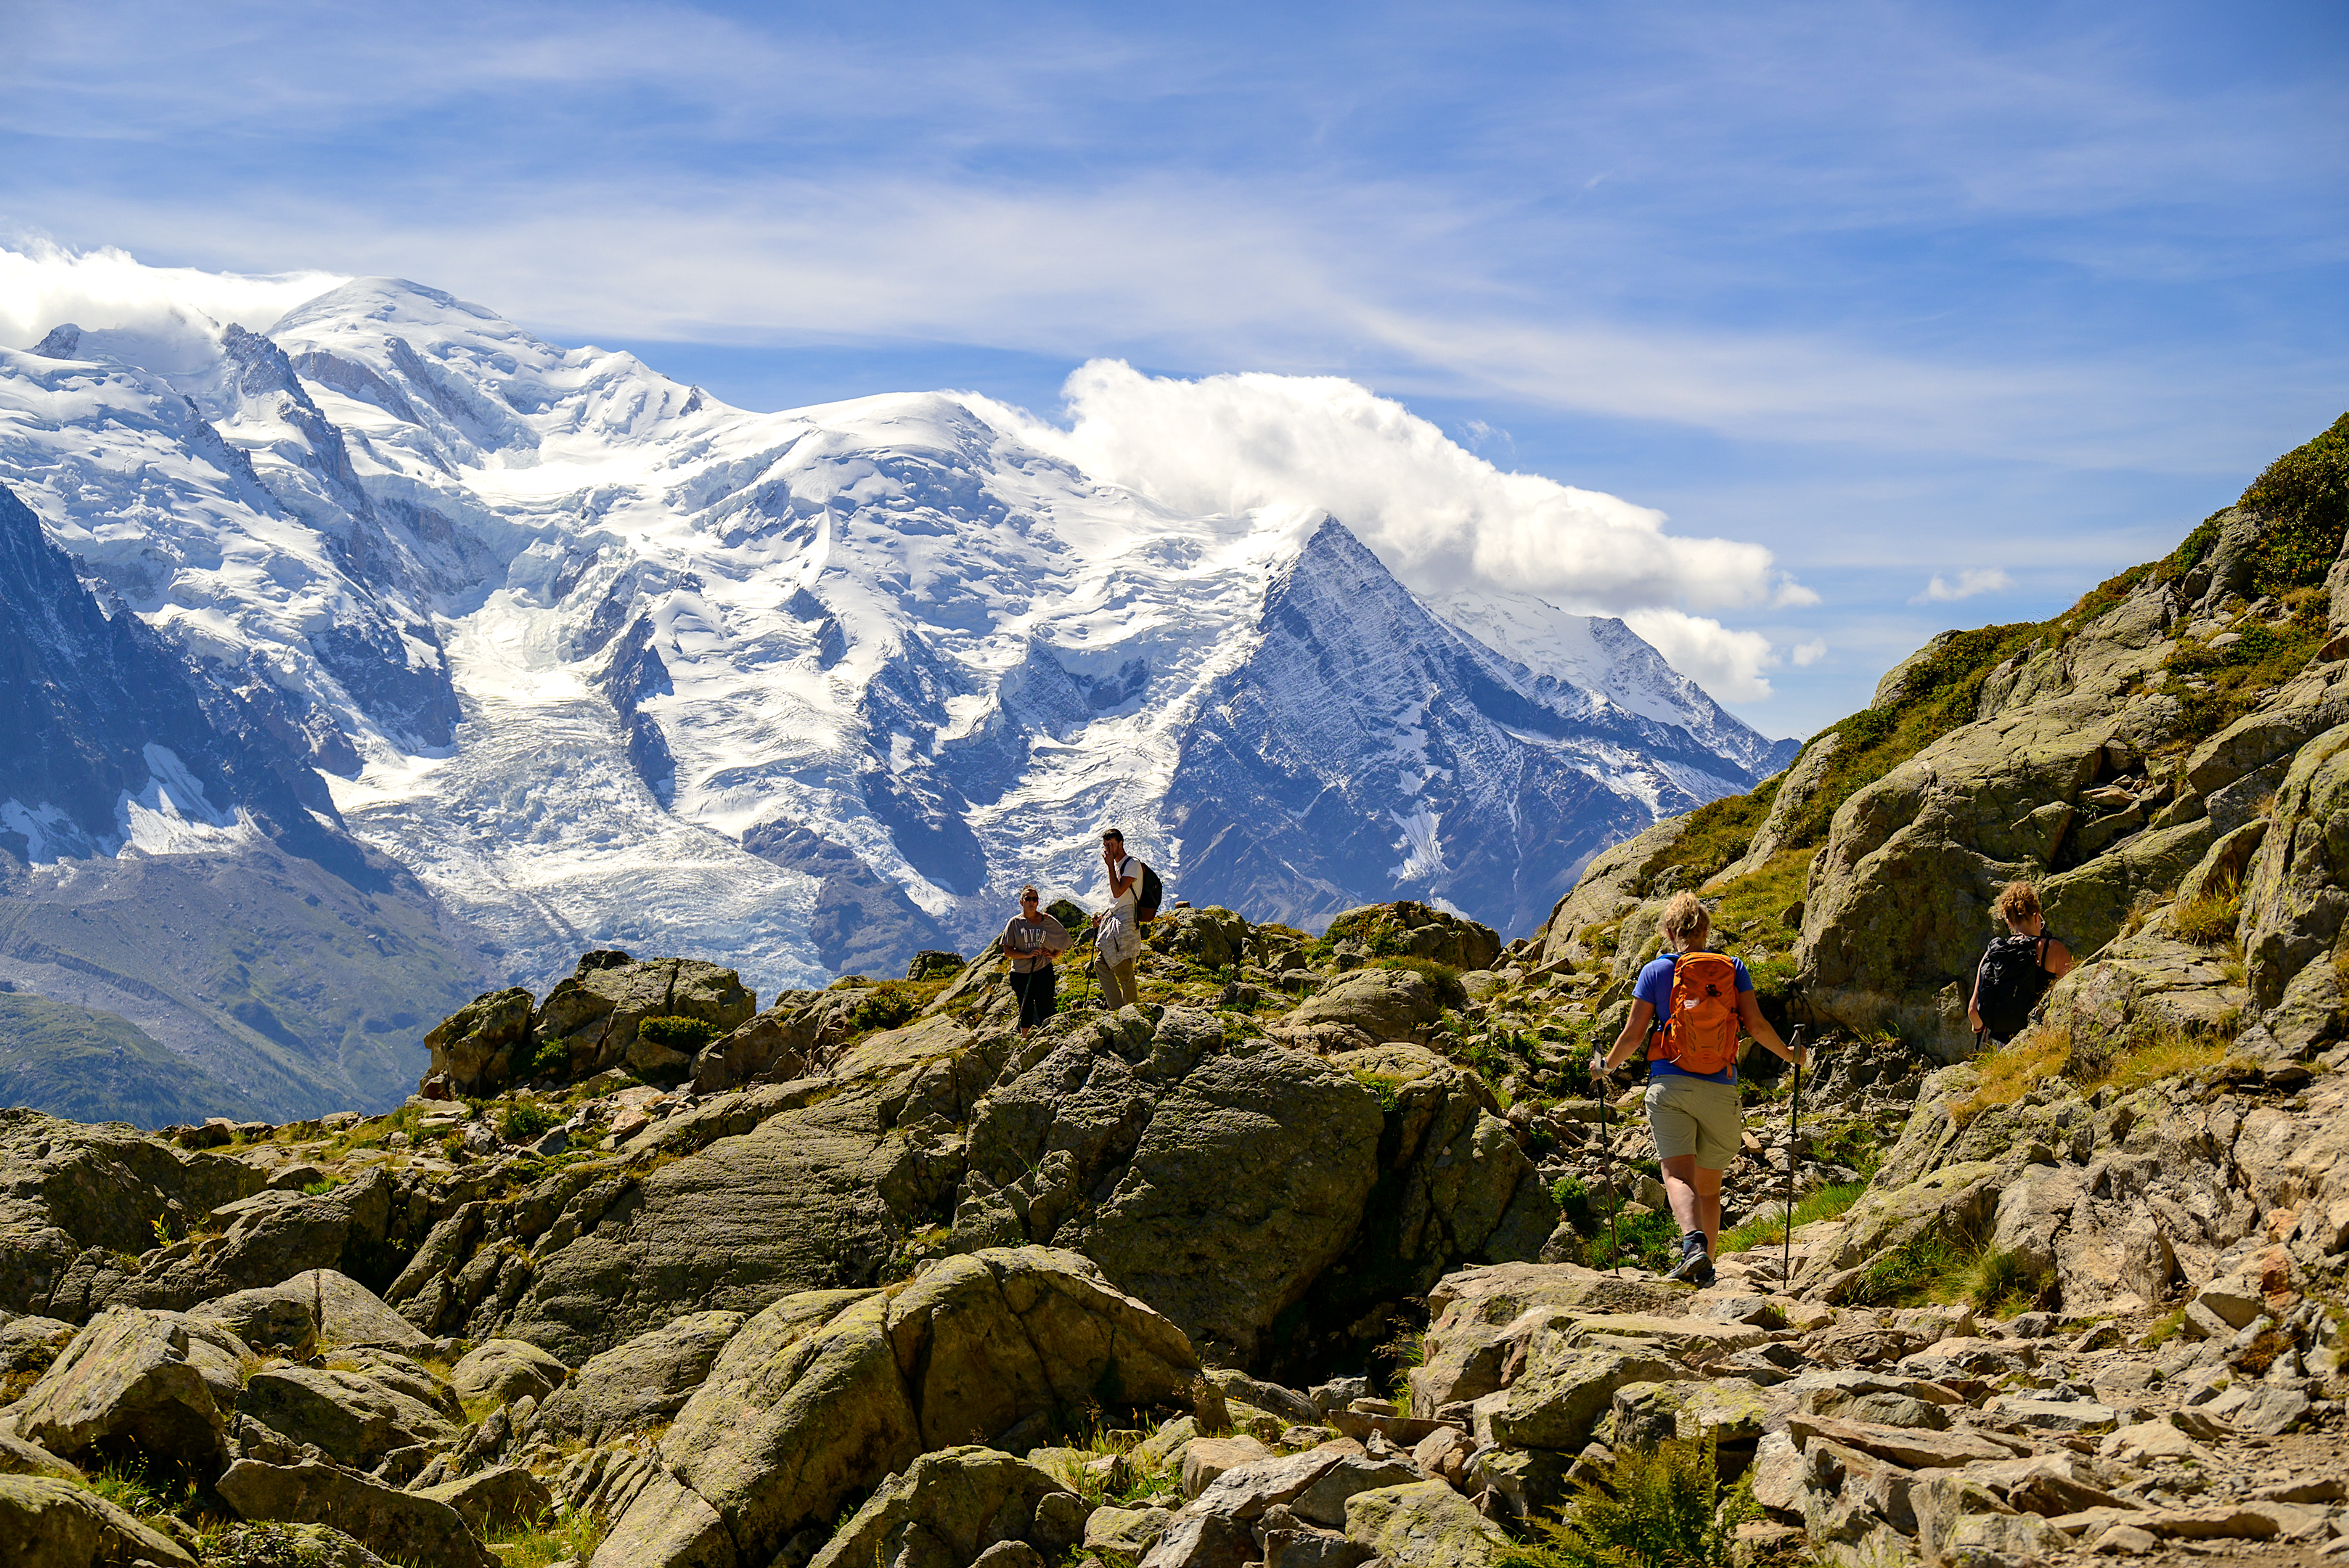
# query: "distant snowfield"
{"type": "Point", "coordinates": [570, 639]}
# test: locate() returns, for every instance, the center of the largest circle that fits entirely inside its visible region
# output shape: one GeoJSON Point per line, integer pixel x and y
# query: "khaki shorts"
{"type": "Point", "coordinates": [1690, 1115]}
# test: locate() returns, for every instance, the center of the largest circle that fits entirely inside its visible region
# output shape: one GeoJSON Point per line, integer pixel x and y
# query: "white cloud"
{"type": "Point", "coordinates": [1727, 663]}
{"type": "Point", "coordinates": [1807, 654]}
{"type": "Point", "coordinates": [1971, 581]}
{"type": "Point", "coordinates": [43, 286]}
{"type": "Point", "coordinates": [1438, 514]}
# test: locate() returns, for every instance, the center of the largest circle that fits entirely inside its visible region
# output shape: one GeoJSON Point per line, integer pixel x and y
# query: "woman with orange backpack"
{"type": "Point", "coordinates": [1689, 1004]}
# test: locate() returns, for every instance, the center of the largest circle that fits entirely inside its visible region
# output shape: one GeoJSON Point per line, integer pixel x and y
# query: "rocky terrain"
{"type": "Point", "coordinates": [1322, 1255]}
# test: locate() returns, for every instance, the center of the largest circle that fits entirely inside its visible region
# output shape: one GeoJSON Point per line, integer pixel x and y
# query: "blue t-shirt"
{"type": "Point", "coordinates": [1654, 987]}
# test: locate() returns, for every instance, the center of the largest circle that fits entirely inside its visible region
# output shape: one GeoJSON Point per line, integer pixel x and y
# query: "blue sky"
{"type": "Point", "coordinates": [1897, 291]}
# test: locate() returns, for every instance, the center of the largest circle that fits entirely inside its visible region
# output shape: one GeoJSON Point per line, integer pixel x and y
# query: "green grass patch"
{"type": "Point", "coordinates": [2211, 916]}
{"type": "Point", "coordinates": [1384, 1087]}
{"type": "Point", "coordinates": [1659, 1508]}
{"type": "Point", "coordinates": [560, 1535]}
{"type": "Point", "coordinates": [2305, 495]}
{"type": "Point", "coordinates": [2217, 685]}
{"type": "Point", "coordinates": [687, 1035]}
{"type": "Point", "coordinates": [1649, 1240]}
{"type": "Point", "coordinates": [1910, 1273]}
{"type": "Point", "coordinates": [1716, 834]}
{"type": "Point", "coordinates": [2168, 1329]}
{"type": "Point", "coordinates": [526, 1119]}
{"type": "Point", "coordinates": [1935, 1267]}
{"type": "Point", "coordinates": [1768, 1230]}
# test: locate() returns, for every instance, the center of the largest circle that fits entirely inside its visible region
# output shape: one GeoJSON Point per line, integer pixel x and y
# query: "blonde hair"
{"type": "Point", "coordinates": [2016, 903]}
{"type": "Point", "coordinates": [1684, 918]}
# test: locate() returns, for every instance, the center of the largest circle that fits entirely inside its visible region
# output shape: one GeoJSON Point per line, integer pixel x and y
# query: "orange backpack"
{"type": "Point", "coordinates": [1700, 1033]}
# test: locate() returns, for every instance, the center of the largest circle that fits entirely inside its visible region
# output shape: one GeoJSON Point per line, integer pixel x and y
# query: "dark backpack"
{"type": "Point", "coordinates": [1149, 892]}
{"type": "Point", "coordinates": [2010, 981]}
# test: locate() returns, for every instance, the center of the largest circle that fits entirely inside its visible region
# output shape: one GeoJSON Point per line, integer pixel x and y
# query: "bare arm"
{"type": "Point", "coordinates": [1749, 1012]}
{"type": "Point", "coordinates": [2058, 960]}
{"type": "Point", "coordinates": [1635, 1029]}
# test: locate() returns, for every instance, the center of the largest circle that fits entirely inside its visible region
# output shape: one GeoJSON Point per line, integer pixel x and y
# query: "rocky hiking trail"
{"type": "Point", "coordinates": [1322, 1256]}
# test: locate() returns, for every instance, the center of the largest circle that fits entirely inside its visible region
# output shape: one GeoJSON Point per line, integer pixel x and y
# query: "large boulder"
{"type": "Point", "coordinates": [405, 1526]}
{"type": "Point", "coordinates": [1459, 1189]}
{"type": "Point", "coordinates": [2293, 901]}
{"type": "Point", "coordinates": [355, 1419]}
{"type": "Point", "coordinates": [145, 1382]}
{"type": "Point", "coordinates": [316, 1312]}
{"type": "Point", "coordinates": [53, 1523]}
{"type": "Point", "coordinates": [506, 1370]}
{"type": "Point", "coordinates": [1224, 1181]}
{"type": "Point", "coordinates": [273, 1236]}
{"type": "Point", "coordinates": [74, 1198]}
{"type": "Point", "coordinates": [1485, 1319]}
{"type": "Point", "coordinates": [949, 1506]}
{"type": "Point", "coordinates": [1364, 1008]}
{"type": "Point", "coordinates": [819, 1396]}
{"type": "Point", "coordinates": [475, 1048]}
{"type": "Point", "coordinates": [589, 1022]}
{"type": "Point", "coordinates": [1565, 1389]}
{"type": "Point", "coordinates": [642, 1383]}
{"type": "Point", "coordinates": [1409, 929]}
{"type": "Point", "coordinates": [1424, 1525]}
{"type": "Point", "coordinates": [1215, 1187]}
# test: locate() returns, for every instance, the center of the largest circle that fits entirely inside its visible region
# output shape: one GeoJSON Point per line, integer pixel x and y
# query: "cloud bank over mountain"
{"type": "Point", "coordinates": [1440, 516]}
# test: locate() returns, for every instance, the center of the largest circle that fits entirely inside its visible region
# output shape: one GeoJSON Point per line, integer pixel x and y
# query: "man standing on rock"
{"type": "Point", "coordinates": [1034, 940]}
{"type": "Point", "coordinates": [1117, 939]}
{"type": "Point", "coordinates": [1688, 1004]}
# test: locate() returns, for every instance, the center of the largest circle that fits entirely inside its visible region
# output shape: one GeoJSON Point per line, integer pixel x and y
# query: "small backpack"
{"type": "Point", "coordinates": [1700, 1035]}
{"type": "Point", "coordinates": [2010, 981]}
{"type": "Point", "coordinates": [1148, 893]}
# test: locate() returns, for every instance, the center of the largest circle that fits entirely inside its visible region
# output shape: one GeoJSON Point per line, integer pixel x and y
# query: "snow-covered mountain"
{"type": "Point", "coordinates": [599, 660]}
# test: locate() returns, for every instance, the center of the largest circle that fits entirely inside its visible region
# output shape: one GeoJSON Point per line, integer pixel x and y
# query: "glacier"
{"type": "Point", "coordinates": [597, 659]}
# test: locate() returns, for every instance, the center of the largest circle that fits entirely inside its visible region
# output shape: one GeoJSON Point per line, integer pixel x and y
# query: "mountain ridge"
{"type": "Point", "coordinates": [600, 662]}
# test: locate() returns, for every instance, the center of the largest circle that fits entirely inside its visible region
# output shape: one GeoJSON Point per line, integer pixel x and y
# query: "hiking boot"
{"type": "Point", "coordinates": [1696, 1264]}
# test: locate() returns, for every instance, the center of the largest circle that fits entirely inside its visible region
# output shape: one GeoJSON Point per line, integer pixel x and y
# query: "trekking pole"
{"type": "Point", "coordinates": [1795, 1121]}
{"type": "Point", "coordinates": [1606, 1170]}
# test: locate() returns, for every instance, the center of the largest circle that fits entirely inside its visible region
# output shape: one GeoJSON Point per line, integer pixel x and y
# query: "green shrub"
{"type": "Point", "coordinates": [1073, 919]}
{"type": "Point", "coordinates": [1385, 1085]}
{"type": "Point", "coordinates": [888, 1006]}
{"type": "Point", "coordinates": [546, 1059]}
{"type": "Point", "coordinates": [1658, 1507]}
{"type": "Point", "coordinates": [525, 1119]}
{"type": "Point", "coordinates": [686, 1036]}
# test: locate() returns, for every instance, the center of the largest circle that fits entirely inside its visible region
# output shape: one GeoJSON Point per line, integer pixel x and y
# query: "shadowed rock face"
{"type": "Point", "coordinates": [1224, 1186]}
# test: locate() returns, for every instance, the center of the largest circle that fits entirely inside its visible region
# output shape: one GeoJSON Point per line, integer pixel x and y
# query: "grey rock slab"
{"type": "Point", "coordinates": [826, 1393]}
{"type": "Point", "coordinates": [1204, 1460]}
{"type": "Point", "coordinates": [1128, 1531]}
{"type": "Point", "coordinates": [316, 1311]}
{"type": "Point", "coordinates": [50, 1522]}
{"type": "Point", "coordinates": [352, 1419]}
{"type": "Point", "coordinates": [271, 1546]}
{"type": "Point", "coordinates": [1426, 1524]}
{"type": "Point", "coordinates": [640, 1383]}
{"type": "Point", "coordinates": [507, 1370]}
{"type": "Point", "coordinates": [396, 1524]}
{"type": "Point", "coordinates": [134, 1379]}
{"type": "Point", "coordinates": [494, 1498]}
{"type": "Point", "coordinates": [1900, 1446]}
{"type": "Point", "coordinates": [967, 1498]}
